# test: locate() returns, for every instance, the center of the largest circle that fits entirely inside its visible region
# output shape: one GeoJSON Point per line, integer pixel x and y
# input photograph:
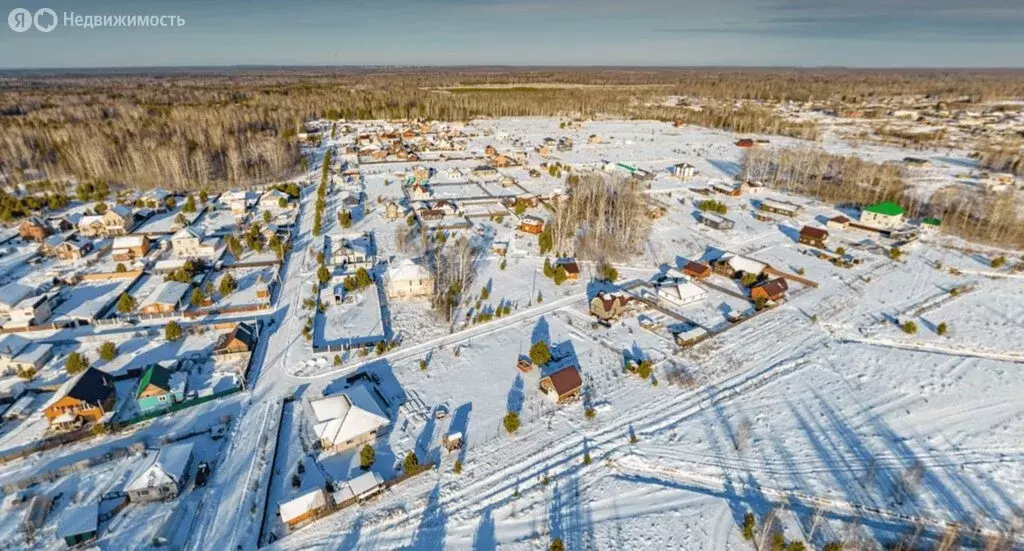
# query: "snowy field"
{"type": "Point", "coordinates": [821, 415]}
{"type": "Point", "coordinates": [813, 409]}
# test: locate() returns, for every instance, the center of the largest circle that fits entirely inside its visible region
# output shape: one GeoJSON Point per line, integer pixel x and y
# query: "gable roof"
{"type": "Point", "coordinates": [243, 332]}
{"type": "Point", "coordinates": [121, 210]}
{"type": "Point", "coordinates": [408, 269]}
{"type": "Point", "coordinates": [157, 376]}
{"type": "Point", "coordinates": [169, 466]}
{"type": "Point", "coordinates": [128, 241]}
{"type": "Point", "coordinates": [696, 267]}
{"type": "Point", "coordinates": [78, 520]}
{"type": "Point", "coordinates": [565, 380]}
{"type": "Point", "coordinates": [12, 345]}
{"type": "Point", "coordinates": [168, 292]}
{"type": "Point", "coordinates": [569, 264]}
{"type": "Point", "coordinates": [295, 508]}
{"type": "Point", "coordinates": [364, 483]}
{"type": "Point", "coordinates": [13, 293]}
{"type": "Point", "coordinates": [813, 233]}
{"type": "Point", "coordinates": [774, 287]}
{"type": "Point", "coordinates": [36, 221]}
{"type": "Point", "coordinates": [89, 220]}
{"type": "Point", "coordinates": [91, 386]}
{"type": "Point", "coordinates": [887, 208]}
{"type": "Point", "coordinates": [743, 264]}
{"type": "Point", "coordinates": [186, 233]}
{"type": "Point", "coordinates": [344, 416]}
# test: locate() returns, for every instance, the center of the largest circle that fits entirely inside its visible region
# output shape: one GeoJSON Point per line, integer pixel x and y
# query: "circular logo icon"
{"type": "Point", "coordinates": [45, 19]}
{"type": "Point", "coordinates": [20, 20]}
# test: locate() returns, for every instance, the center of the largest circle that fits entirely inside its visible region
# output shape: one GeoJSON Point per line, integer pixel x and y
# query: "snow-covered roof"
{"type": "Point", "coordinates": [168, 467]}
{"type": "Point", "coordinates": [712, 217]}
{"type": "Point", "coordinates": [186, 233]}
{"type": "Point", "coordinates": [691, 333]}
{"type": "Point", "coordinates": [19, 407]}
{"type": "Point", "coordinates": [344, 416]}
{"type": "Point", "coordinates": [680, 290]}
{"type": "Point", "coordinates": [303, 504]}
{"type": "Point", "coordinates": [168, 265]}
{"type": "Point", "coordinates": [12, 345]}
{"type": "Point", "coordinates": [343, 494]}
{"type": "Point", "coordinates": [128, 241]}
{"type": "Point", "coordinates": [781, 205]}
{"type": "Point", "coordinates": [89, 220]}
{"type": "Point", "coordinates": [744, 264]}
{"type": "Point", "coordinates": [35, 353]}
{"type": "Point", "coordinates": [13, 293]}
{"type": "Point", "coordinates": [168, 292]}
{"type": "Point", "coordinates": [365, 483]}
{"type": "Point", "coordinates": [407, 270]}
{"type": "Point", "coordinates": [79, 520]}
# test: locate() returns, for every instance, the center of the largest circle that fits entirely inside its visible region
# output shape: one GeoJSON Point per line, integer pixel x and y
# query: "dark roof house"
{"type": "Point", "coordinates": [240, 339]}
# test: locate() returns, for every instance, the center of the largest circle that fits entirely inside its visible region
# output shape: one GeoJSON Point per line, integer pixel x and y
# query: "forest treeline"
{"type": "Point", "coordinates": [210, 130]}
{"type": "Point", "coordinates": [983, 217]}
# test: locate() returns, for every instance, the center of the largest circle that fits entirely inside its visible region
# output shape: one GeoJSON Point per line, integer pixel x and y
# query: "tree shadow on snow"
{"type": "Point", "coordinates": [431, 532]}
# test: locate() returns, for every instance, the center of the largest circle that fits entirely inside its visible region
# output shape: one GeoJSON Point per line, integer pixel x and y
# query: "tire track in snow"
{"type": "Point", "coordinates": [494, 489]}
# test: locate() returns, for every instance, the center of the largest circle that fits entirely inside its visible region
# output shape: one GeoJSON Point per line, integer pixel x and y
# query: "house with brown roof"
{"type": "Point", "coordinates": [773, 290]}
{"type": "Point", "coordinates": [562, 385]}
{"type": "Point", "coordinates": [502, 161]}
{"type": "Point", "coordinates": [34, 229]}
{"type": "Point", "coordinates": [609, 306]}
{"type": "Point", "coordinates": [838, 223]}
{"type": "Point", "coordinates": [238, 343]}
{"type": "Point", "coordinates": [531, 224]}
{"type": "Point", "coordinates": [696, 270]}
{"type": "Point", "coordinates": [814, 237]}
{"type": "Point", "coordinates": [85, 398]}
{"type": "Point", "coordinates": [572, 269]}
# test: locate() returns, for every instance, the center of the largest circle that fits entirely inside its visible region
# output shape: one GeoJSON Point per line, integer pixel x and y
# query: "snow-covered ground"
{"type": "Point", "coordinates": [820, 413]}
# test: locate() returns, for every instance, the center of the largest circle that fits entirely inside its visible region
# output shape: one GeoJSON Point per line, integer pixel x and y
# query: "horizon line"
{"type": "Point", "coordinates": [380, 66]}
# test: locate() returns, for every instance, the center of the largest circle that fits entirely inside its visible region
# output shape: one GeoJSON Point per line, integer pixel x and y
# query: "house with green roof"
{"type": "Point", "coordinates": [886, 215]}
{"type": "Point", "coordinates": [160, 388]}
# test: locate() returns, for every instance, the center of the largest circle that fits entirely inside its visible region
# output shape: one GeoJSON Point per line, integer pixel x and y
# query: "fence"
{"type": "Point", "coordinates": [335, 507]}
{"type": "Point", "coordinates": [179, 406]}
{"type": "Point", "coordinates": [47, 444]}
{"type": "Point", "coordinates": [50, 476]}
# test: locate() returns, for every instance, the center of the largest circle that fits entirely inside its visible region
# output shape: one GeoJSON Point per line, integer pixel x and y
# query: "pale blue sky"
{"type": "Point", "coordinates": [857, 33]}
